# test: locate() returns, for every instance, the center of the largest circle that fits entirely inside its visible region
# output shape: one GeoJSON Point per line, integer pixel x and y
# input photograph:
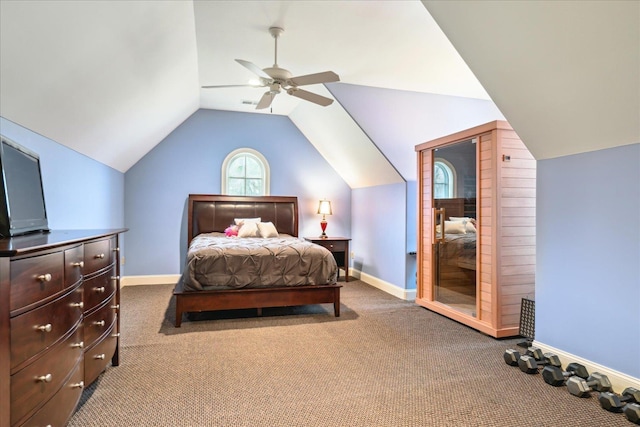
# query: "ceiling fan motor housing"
{"type": "Point", "coordinates": [278, 74]}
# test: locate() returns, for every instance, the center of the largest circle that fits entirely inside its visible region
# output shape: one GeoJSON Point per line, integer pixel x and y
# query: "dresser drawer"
{"type": "Point", "coordinates": [37, 329]}
{"type": "Point", "coordinates": [98, 357]}
{"type": "Point", "coordinates": [35, 278]}
{"type": "Point", "coordinates": [333, 246]}
{"type": "Point", "coordinates": [36, 383]}
{"type": "Point", "coordinates": [59, 409]}
{"type": "Point", "coordinates": [97, 255]}
{"type": "Point", "coordinates": [99, 288]}
{"type": "Point", "coordinates": [73, 265]}
{"type": "Point", "coordinates": [97, 323]}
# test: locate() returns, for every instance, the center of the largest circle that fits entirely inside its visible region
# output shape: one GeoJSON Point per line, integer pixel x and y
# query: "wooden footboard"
{"type": "Point", "coordinates": [254, 298]}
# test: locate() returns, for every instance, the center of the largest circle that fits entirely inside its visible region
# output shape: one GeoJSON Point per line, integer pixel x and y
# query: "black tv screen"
{"type": "Point", "coordinates": [22, 208]}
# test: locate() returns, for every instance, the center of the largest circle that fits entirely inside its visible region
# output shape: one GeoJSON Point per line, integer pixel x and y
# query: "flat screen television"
{"type": "Point", "coordinates": [22, 208]}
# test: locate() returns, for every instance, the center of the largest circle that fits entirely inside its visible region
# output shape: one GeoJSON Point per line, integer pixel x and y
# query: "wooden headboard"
{"type": "Point", "coordinates": [215, 212]}
{"type": "Point", "coordinates": [453, 207]}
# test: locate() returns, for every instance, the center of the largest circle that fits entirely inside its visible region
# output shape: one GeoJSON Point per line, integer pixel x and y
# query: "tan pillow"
{"type": "Point", "coordinates": [454, 227]}
{"type": "Point", "coordinates": [459, 218]}
{"type": "Point", "coordinates": [248, 229]}
{"type": "Point", "coordinates": [267, 229]}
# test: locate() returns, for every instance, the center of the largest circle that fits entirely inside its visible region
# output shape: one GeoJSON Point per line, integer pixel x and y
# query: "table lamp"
{"type": "Point", "coordinates": [324, 208]}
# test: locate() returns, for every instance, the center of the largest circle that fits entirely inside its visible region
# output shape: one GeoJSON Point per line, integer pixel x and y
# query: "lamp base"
{"type": "Point", "coordinates": [323, 225]}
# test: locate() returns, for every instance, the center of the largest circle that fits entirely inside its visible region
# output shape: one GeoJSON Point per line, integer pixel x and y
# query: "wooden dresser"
{"type": "Point", "coordinates": [59, 322]}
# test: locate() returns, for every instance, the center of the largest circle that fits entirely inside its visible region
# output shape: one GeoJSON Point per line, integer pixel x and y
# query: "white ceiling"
{"type": "Point", "coordinates": [390, 44]}
{"type": "Point", "coordinates": [566, 74]}
{"type": "Point", "coordinates": [112, 79]}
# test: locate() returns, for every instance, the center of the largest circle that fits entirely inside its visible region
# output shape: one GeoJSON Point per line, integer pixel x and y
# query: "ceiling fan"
{"type": "Point", "coordinates": [278, 79]}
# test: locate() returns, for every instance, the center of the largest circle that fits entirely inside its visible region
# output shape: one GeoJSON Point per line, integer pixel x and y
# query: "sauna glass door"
{"type": "Point", "coordinates": [455, 214]}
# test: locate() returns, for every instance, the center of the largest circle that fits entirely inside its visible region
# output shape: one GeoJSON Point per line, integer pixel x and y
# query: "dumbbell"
{"type": "Point", "coordinates": [614, 403]}
{"type": "Point", "coordinates": [555, 376]}
{"type": "Point", "coordinates": [632, 412]}
{"type": "Point", "coordinates": [530, 365]}
{"type": "Point", "coordinates": [581, 387]}
{"type": "Point", "coordinates": [512, 356]}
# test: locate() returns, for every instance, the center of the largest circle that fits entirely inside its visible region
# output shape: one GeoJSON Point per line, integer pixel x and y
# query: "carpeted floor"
{"type": "Point", "coordinates": [384, 362]}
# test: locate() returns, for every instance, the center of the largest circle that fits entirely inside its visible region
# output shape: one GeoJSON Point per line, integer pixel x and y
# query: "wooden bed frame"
{"type": "Point", "coordinates": [208, 213]}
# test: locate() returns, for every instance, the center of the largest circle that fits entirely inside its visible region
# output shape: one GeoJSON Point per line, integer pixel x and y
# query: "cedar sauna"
{"type": "Point", "coordinates": [476, 227]}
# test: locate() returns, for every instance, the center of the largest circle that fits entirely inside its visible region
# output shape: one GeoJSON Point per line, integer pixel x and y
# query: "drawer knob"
{"type": "Point", "coordinates": [77, 304]}
{"type": "Point", "coordinates": [45, 378]}
{"type": "Point", "coordinates": [116, 249]}
{"type": "Point", "coordinates": [44, 277]}
{"type": "Point", "coordinates": [99, 290]}
{"type": "Point", "coordinates": [115, 278]}
{"type": "Point", "coordinates": [78, 264]}
{"type": "Point", "coordinates": [116, 307]}
{"type": "Point", "coordinates": [78, 345]}
{"type": "Point", "coordinates": [78, 385]}
{"type": "Point", "coordinates": [116, 335]}
{"type": "Point", "coordinates": [45, 328]}
{"type": "Point", "coordinates": [99, 323]}
{"type": "Point", "coordinates": [99, 256]}
{"type": "Point", "coordinates": [99, 356]}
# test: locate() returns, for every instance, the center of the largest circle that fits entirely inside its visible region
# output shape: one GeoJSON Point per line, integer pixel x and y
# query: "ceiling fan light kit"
{"type": "Point", "coordinates": [277, 79]}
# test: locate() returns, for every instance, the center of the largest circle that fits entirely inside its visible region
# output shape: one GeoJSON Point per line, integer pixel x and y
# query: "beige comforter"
{"type": "Point", "coordinates": [215, 261]}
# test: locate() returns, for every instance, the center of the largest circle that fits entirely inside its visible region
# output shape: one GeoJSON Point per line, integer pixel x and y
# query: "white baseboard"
{"type": "Point", "coordinates": [405, 294]}
{"type": "Point", "coordinates": [619, 381]}
{"type": "Point", "coordinates": [160, 279]}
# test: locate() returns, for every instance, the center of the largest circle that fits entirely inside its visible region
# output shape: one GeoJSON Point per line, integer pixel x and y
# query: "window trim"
{"type": "Point", "coordinates": [451, 172]}
{"type": "Point", "coordinates": [266, 179]}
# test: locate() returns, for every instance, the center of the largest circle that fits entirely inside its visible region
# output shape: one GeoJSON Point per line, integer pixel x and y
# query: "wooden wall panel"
{"type": "Point", "coordinates": [425, 265]}
{"type": "Point", "coordinates": [517, 227]}
{"type": "Point", "coordinates": [485, 208]}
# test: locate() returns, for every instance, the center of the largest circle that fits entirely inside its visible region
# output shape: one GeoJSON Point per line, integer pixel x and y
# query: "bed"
{"type": "Point", "coordinates": [458, 248]}
{"type": "Point", "coordinates": [202, 288]}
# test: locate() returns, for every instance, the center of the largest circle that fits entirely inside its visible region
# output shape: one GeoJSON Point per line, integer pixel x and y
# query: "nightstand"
{"type": "Point", "coordinates": [339, 247]}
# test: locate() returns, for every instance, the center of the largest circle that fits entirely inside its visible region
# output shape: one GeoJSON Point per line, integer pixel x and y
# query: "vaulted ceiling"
{"type": "Point", "coordinates": [112, 79]}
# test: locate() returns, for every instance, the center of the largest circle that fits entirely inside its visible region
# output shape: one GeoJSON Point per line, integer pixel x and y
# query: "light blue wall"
{"type": "Point", "coordinates": [79, 192]}
{"type": "Point", "coordinates": [379, 232]}
{"type": "Point", "coordinates": [412, 234]}
{"type": "Point", "coordinates": [588, 256]}
{"type": "Point", "coordinates": [189, 160]}
{"type": "Point", "coordinates": [396, 121]}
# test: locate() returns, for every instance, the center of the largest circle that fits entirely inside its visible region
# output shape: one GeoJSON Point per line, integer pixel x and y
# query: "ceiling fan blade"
{"type": "Point", "coordinates": [265, 101]}
{"type": "Point", "coordinates": [310, 96]}
{"type": "Point", "coordinates": [310, 79]}
{"type": "Point", "coordinates": [254, 69]}
{"type": "Point", "coordinates": [219, 86]}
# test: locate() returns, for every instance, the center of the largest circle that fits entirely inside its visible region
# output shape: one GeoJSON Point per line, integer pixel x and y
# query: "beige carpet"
{"type": "Point", "coordinates": [384, 362]}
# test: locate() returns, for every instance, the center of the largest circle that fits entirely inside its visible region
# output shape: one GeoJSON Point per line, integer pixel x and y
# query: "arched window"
{"type": "Point", "coordinates": [444, 179]}
{"type": "Point", "coordinates": [245, 172]}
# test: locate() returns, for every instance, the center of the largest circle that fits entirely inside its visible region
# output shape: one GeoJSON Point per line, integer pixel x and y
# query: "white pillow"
{"type": "Point", "coordinates": [454, 227]}
{"type": "Point", "coordinates": [267, 229]}
{"type": "Point", "coordinates": [239, 221]}
{"type": "Point", "coordinates": [469, 227]}
{"type": "Point", "coordinates": [248, 229]}
{"type": "Point", "coordinates": [459, 218]}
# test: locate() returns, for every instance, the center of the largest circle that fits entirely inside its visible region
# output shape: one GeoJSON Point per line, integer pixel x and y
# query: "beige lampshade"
{"type": "Point", "coordinates": [324, 207]}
